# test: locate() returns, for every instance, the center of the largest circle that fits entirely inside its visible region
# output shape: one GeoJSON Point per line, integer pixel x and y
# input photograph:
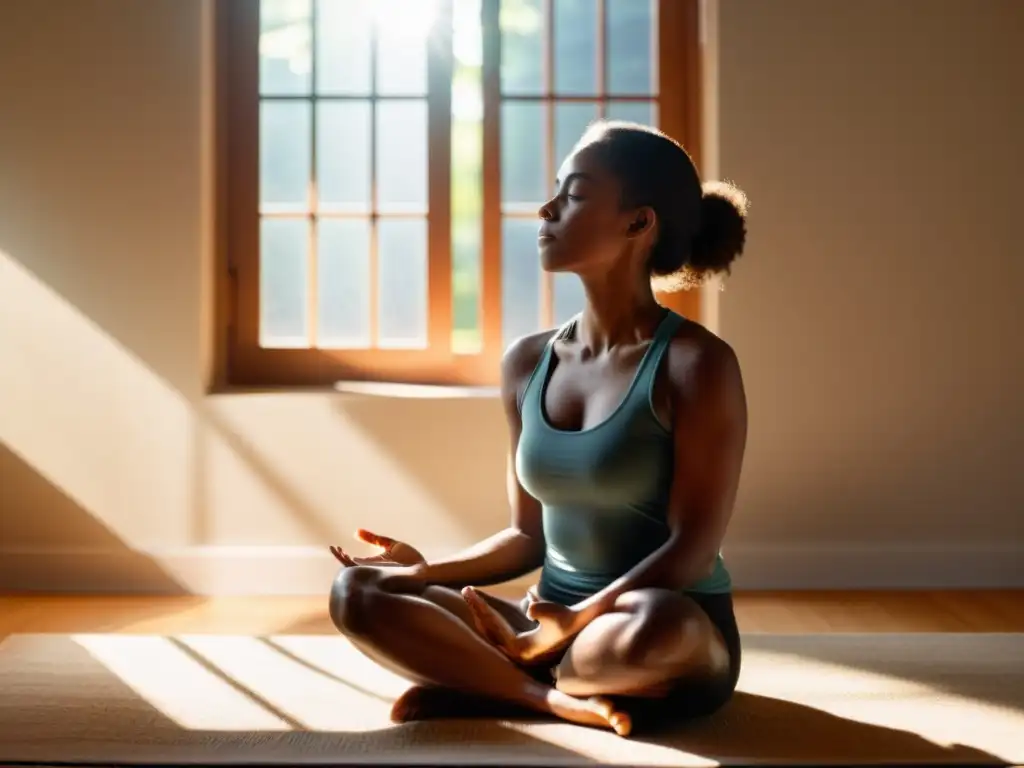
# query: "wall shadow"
{"type": "Point", "coordinates": [61, 543]}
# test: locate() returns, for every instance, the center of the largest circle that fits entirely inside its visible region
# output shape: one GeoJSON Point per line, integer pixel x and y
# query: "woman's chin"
{"type": "Point", "coordinates": [550, 262]}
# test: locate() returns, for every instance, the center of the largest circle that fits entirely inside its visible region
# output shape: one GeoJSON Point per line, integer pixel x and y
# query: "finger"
{"type": "Point", "coordinates": [346, 560]}
{"type": "Point", "coordinates": [471, 598]}
{"type": "Point", "coordinates": [532, 594]}
{"type": "Point", "coordinates": [343, 558]}
{"type": "Point", "coordinates": [487, 620]}
{"type": "Point", "coordinates": [369, 537]}
{"type": "Point", "coordinates": [485, 630]}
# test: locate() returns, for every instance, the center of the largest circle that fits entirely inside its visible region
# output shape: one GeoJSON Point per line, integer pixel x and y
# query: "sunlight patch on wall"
{"type": "Point", "coordinates": [89, 416]}
{"type": "Point", "coordinates": [342, 475]}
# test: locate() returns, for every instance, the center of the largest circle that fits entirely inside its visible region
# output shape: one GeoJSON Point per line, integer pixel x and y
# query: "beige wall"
{"type": "Point", "coordinates": [878, 314]}
{"type": "Point", "coordinates": [870, 312]}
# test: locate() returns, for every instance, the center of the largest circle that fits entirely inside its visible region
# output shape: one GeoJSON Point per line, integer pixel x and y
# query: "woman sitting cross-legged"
{"type": "Point", "coordinates": [627, 429]}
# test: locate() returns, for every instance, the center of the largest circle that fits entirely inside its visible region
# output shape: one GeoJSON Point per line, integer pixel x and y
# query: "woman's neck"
{"type": "Point", "coordinates": [620, 309]}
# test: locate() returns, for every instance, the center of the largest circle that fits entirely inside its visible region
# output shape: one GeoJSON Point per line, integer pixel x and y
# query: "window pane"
{"type": "Point", "coordinates": [569, 296]}
{"type": "Point", "coordinates": [467, 175]}
{"type": "Point", "coordinates": [523, 176]}
{"type": "Point", "coordinates": [522, 26]}
{"type": "Point", "coordinates": [283, 282]}
{"type": "Point", "coordinates": [575, 46]}
{"type": "Point", "coordinates": [571, 120]}
{"type": "Point", "coordinates": [402, 156]}
{"type": "Point", "coordinates": [285, 36]}
{"type": "Point", "coordinates": [343, 30]}
{"type": "Point", "coordinates": [284, 154]}
{"type": "Point", "coordinates": [343, 155]}
{"type": "Point", "coordinates": [630, 46]}
{"type": "Point", "coordinates": [343, 283]}
{"type": "Point", "coordinates": [520, 279]}
{"type": "Point", "coordinates": [403, 29]}
{"type": "Point", "coordinates": [643, 112]}
{"type": "Point", "coordinates": [402, 275]}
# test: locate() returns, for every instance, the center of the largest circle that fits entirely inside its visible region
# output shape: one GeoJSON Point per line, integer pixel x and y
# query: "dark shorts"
{"type": "Point", "coordinates": [693, 698]}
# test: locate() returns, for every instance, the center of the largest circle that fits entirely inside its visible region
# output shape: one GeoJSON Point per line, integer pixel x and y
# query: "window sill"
{"type": "Point", "coordinates": [380, 389]}
{"type": "Point", "coordinates": [415, 391]}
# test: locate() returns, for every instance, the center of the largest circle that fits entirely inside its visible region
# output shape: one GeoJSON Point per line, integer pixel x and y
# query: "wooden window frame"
{"type": "Point", "coordinates": [242, 362]}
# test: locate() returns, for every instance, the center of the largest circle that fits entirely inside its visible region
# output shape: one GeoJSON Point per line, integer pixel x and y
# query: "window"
{"type": "Point", "coordinates": [383, 162]}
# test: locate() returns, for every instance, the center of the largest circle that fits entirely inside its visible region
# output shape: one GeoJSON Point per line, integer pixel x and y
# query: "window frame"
{"type": "Point", "coordinates": [240, 361]}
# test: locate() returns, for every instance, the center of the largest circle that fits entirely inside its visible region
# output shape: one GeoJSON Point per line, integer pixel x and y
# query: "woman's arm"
{"type": "Point", "coordinates": [519, 549]}
{"type": "Point", "coordinates": [710, 428]}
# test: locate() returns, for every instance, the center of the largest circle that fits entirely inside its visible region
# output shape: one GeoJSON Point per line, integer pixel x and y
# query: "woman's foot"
{"type": "Point", "coordinates": [420, 702]}
{"type": "Point", "coordinates": [427, 703]}
{"type": "Point", "coordinates": [596, 711]}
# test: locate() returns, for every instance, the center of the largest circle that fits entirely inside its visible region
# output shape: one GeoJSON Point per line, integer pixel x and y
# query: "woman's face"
{"type": "Point", "coordinates": [583, 227]}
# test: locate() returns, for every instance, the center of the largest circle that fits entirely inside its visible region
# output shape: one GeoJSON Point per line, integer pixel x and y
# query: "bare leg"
{"type": "Point", "coordinates": [423, 702]}
{"type": "Point", "coordinates": [653, 640]}
{"type": "Point", "coordinates": [432, 646]}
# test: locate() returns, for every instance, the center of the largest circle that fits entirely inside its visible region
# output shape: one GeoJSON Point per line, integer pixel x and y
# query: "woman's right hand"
{"type": "Point", "coordinates": [393, 552]}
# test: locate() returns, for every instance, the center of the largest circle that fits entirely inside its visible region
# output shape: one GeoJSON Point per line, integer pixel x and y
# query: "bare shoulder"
{"type": "Point", "coordinates": [701, 364]}
{"type": "Point", "coordinates": [519, 362]}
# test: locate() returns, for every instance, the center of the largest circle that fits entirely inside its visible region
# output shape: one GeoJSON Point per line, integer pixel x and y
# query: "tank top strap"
{"type": "Point", "coordinates": [539, 377]}
{"type": "Point", "coordinates": [651, 361]}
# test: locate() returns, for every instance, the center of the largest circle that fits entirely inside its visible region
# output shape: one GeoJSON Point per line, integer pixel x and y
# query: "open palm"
{"type": "Point", "coordinates": [393, 552]}
{"type": "Point", "coordinates": [556, 627]}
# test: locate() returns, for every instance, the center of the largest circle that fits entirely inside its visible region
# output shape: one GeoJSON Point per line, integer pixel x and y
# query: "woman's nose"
{"type": "Point", "coordinates": [547, 211]}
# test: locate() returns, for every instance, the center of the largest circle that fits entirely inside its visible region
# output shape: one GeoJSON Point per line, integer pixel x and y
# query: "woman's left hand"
{"type": "Point", "coordinates": [557, 625]}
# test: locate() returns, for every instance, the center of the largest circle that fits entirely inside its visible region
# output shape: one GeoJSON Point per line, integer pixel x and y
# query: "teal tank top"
{"type": "Point", "coordinates": [604, 490]}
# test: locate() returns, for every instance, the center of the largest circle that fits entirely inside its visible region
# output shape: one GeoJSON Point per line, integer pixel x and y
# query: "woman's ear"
{"type": "Point", "coordinates": [642, 223]}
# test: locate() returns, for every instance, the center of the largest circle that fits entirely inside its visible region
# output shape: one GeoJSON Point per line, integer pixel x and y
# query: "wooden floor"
{"type": "Point", "coordinates": [775, 612]}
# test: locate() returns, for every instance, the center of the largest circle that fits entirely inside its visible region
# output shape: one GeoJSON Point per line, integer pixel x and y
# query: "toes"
{"type": "Point", "coordinates": [603, 706]}
{"type": "Point", "coordinates": [407, 706]}
{"type": "Point", "coordinates": [619, 721]}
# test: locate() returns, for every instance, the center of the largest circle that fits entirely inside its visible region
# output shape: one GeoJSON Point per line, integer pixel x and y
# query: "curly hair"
{"type": "Point", "coordinates": [701, 226]}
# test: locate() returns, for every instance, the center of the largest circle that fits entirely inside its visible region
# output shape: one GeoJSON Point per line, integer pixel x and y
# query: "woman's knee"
{"type": "Point", "coordinates": [669, 631]}
{"type": "Point", "coordinates": [352, 595]}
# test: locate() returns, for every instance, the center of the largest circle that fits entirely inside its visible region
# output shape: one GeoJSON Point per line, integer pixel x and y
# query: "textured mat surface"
{"type": "Point", "coordinates": [218, 699]}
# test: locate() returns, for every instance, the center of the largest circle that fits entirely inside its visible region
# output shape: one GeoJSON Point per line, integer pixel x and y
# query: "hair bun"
{"type": "Point", "coordinates": [723, 231]}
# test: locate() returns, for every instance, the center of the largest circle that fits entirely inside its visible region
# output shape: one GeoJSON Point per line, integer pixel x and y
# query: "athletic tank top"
{"type": "Point", "coordinates": [604, 490]}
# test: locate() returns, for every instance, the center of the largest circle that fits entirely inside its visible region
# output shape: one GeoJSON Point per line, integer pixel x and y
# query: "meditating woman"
{"type": "Point", "coordinates": [627, 430]}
